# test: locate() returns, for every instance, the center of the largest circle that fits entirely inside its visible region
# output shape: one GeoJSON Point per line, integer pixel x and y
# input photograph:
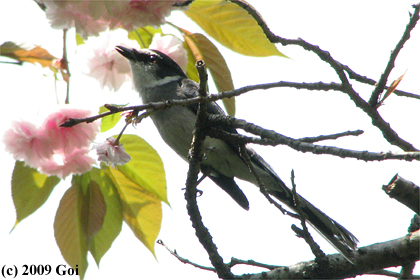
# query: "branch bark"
{"type": "Point", "coordinates": [389, 134]}
{"type": "Point", "coordinates": [368, 259]}
{"type": "Point", "coordinates": [270, 137]}
{"type": "Point", "coordinates": [404, 191]}
{"type": "Point", "coordinates": [380, 86]}
{"type": "Point", "coordinates": [195, 156]}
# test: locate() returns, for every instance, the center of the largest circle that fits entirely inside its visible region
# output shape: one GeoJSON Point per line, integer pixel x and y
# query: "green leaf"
{"type": "Point", "coordinates": [204, 49]}
{"type": "Point", "coordinates": [142, 210]}
{"type": "Point", "coordinates": [109, 121]}
{"type": "Point", "coordinates": [233, 27]}
{"type": "Point", "coordinates": [145, 168]}
{"type": "Point", "coordinates": [112, 222]}
{"type": "Point", "coordinates": [68, 229]}
{"type": "Point", "coordinates": [30, 189]}
{"type": "Point", "coordinates": [144, 35]}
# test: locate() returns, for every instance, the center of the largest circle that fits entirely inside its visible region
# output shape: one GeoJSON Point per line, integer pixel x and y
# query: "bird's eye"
{"type": "Point", "coordinates": [153, 58]}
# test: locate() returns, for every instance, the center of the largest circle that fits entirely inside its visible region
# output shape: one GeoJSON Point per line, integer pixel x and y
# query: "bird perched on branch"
{"type": "Point", "coordinates": [158, 78]}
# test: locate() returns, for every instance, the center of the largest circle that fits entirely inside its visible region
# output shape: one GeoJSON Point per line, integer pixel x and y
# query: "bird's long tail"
{"type": "Point", "coordinates": [338, 236]}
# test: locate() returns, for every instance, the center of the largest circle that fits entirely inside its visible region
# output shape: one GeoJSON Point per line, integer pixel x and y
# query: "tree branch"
{"type": "Point", "coordinates": [195, 157]}
{"type": "Point", "coordinates": [304, 232]}
{"type": "Point", "coordinates": [331, 136]}
{"type": "Point", "coordinates": [389, 134]}
{"type": "Point", "coordinates": [369, 259]}
{"type": "Point", "coordinates": [184, 260]}
{"type": "Point", "coordinates": [404, 191]}
{"type": "Point", "coordinates": [245, 156]}
{"type": "Point", "coordinates": [373, 101]}
{"type": "Point", "coordinates": [365, 80]}
{"type": "Point", "coordinates": [209, 98]}
{"type": "Point", "coordinates": [270, 137]}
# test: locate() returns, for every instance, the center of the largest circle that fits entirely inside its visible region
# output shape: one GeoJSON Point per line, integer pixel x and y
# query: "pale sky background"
{"type": "Point", "coordinates": [359, 34]}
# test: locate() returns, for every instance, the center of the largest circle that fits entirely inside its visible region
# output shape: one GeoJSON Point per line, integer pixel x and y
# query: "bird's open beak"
{"type": "Point", "coordinates": [127, 53]}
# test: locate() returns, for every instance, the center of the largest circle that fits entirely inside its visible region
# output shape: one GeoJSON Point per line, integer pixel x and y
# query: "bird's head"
{"type": "Point", "coordinates": [151, 68]}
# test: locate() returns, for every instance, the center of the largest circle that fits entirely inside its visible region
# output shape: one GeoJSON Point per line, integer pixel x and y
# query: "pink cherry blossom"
{"type": "Point", "coordinates": [27, 143]}
{"type": "Point", "coordinates": [63, 164]}
{"type": "Point", "coordinates": [145, 12]}
{"type": "Point", "coordinates": [110, 153]}
{"type": "Point", "coordinates": [74, 14]}
{"type": "Point", "coordinates": [104, 63]}
{"type": "Point", "coordinates": [69, 138]}
{"type": "Point", "coordinates": [90, 17]}
{"type": "Point", "coordinates": [52, 149]}
{"type": "Point", "coordinates": [172, 47]}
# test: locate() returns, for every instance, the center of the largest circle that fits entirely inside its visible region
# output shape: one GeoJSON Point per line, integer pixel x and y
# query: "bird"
{"type": "Point", "coordinates": [158, 78]}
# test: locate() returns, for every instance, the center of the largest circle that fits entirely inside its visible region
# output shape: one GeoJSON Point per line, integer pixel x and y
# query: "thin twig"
{"type": "Point", "coordinates": [235, 261]}
{"type": "Point", "coordinates": [389, 134]}
{"type": "Point", "coordinates": [232, 263]}
{"type": "Point", "coordinates": [245, 156]}
{"type": "Point", "coordinates": [331, 136]}
{"type": "Point", "coordinates": [304, 233]}
{"type": "Point", "coordinates": [209, 98]}
{"type": "Point", "coordinates": [373, 101]}
{"type": "Point", "coordinates": [365, 80]}
{"type": "Point", "coordinates": [279, 139]}
{"type": "Point", "coordinates": [184, 260]}
{"type": "Point", "coordinates": [66, 69]}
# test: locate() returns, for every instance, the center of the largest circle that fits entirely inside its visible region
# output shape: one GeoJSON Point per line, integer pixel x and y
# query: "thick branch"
{"type": "Point", "coordinates": [404, 191]}
{"type": "Point", "coordinates": [368, 259]}
{"type": "Point", "coordinates": [195, 156]}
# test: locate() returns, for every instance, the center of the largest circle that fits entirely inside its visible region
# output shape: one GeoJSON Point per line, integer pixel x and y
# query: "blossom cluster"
{"type": "Point", "coordinates": [52, 149]}
{"type": "Point", "coordinates": [102, 62]}
{"type": "Point", "coordinates": [90, 17]}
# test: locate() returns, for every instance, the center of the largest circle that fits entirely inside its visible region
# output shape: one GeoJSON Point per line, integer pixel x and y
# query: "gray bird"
{"type": "Point", "coordinates": [158, 78]}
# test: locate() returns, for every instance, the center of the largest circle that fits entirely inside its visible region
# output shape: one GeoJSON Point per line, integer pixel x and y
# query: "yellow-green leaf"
{"type": "Point", "coordinates": [204, 49]}
{"type": "Point", "coordinates": [144, 35]}
{"type": "Point", "coordinates": [233, 27]}
{"type": "Point", "coordinates": [30, 189]}
{"type": "Point", "coordinates": [79, 40]}
{"type": "Point", "coordinates": [145, 168]}
{"type": "Point", "coordinates": [109, 121]}
{"type": "Point", "coordinates": [112, 223]}
{"type": "Point", "coordinates": [142, 210]}
{"type": "Point", "coordinates": [191, 72]}
{"type": "Point", "coordinates": [68, 229]}
{"type": "Point", "coordinates": [34, 55]}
